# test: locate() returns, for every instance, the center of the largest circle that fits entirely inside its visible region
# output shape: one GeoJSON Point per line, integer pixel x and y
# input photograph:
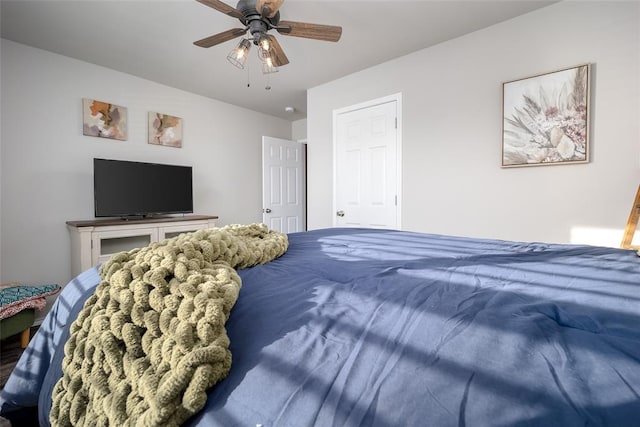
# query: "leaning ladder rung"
{"type": "Point", "coordinates": [632, 223]}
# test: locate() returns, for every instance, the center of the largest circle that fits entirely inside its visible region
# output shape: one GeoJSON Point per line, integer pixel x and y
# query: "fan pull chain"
{"type": "Point", "coordinates": [248, 75]}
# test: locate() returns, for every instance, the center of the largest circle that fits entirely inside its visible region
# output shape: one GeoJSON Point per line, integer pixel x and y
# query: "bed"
{"type": "Point", "coordinates": [361, 327]}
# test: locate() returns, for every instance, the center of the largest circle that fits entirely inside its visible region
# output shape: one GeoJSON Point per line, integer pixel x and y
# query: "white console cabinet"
{"type": "Point", "coordinates": [93, 242]}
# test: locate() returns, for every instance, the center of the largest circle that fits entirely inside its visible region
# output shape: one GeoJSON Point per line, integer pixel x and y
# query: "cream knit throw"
{"type": "Point", "coordinates": [151, 340]}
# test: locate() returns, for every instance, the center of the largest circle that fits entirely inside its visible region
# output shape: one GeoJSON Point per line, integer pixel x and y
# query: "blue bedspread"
{"type": "Point", "coordinates": [356, 327]}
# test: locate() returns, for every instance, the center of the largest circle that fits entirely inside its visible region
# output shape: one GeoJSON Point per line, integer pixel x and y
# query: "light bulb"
{"type": "Point", "coordinates": [267, 66]}
{"type": "Point", "coordinates": [238, 56]}
{"type": "Point", "coordinates": [264, 48]}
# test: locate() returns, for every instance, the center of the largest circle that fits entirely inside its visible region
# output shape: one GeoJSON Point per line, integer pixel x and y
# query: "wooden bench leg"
{"type": "Point", "coordinates": [24, 338]}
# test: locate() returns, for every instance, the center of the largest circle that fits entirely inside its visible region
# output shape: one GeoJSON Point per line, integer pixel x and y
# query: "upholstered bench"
{"type": "Point", "coordinates": [17, 323]}
{"type": "Point", "coordinates": [18, 305]}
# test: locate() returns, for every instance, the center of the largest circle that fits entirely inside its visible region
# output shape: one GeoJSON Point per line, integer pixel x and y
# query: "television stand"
{"type": "Point", "coordinates": [94, 241]}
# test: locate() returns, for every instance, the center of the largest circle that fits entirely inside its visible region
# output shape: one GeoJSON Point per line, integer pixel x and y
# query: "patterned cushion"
{"type": "Point", "coordinates": [14, 299]}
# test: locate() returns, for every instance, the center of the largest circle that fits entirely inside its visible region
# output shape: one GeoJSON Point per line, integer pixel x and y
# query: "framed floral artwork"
{"type": "Point", "coordinates": [104, 119]}
{"type": "Point", "coordinates": [545, 118]}
{"type": "Point", "coordinates": [165, 130]}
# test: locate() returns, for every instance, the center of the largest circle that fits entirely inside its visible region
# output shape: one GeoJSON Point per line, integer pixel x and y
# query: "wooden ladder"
{"type": "Point", "coordinates": [632, 223]}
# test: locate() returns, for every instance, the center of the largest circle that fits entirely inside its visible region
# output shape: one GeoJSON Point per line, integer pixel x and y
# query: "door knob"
{"type": "Point", "coordinates": [340, 213]}
{"type": "Point", "coordinates": [267, 210]}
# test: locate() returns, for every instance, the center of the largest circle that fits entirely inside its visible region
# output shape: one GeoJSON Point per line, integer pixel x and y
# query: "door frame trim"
{"type": "Point", "coordinates": [397, 97]}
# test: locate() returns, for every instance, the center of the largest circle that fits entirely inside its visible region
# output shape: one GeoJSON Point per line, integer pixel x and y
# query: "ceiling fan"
{"type": "Point", "coordinates": [258, 17]}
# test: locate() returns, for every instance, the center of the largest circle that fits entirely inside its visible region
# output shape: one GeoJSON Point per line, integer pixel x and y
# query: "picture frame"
{"type": "Point", "coordinates": [545, 118]}
{"type": "Point", "coordinates": [165, 130]}
{"type": "Point", "coordinates": [103, 119]}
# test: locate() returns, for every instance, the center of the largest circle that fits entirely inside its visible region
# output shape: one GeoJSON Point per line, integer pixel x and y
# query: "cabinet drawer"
{"type": "Point", "coordinates": [106, 243]}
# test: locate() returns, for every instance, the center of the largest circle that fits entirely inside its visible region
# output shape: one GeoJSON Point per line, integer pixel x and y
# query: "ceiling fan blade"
{"type": "Point", "coordinates": [330, 33]}
{"type": "Point", "coordinates": [220, 37]}
{"type": "Point", "coordinates": [222, 7]}
{"type": "Point", "coordinates": [279, 58]}
{"type": "Point", "coordinates": [268, 8]}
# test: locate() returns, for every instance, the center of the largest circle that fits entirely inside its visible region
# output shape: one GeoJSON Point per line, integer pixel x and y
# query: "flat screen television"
{"type": "Point", "coordinates": [125, 189]}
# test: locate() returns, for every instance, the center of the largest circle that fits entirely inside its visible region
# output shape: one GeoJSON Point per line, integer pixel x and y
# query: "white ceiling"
{"type": "Point", "coordinates": [154, 39]}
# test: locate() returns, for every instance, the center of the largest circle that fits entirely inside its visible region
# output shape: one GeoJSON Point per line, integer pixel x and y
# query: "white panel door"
{"type": "Point", "coordinates": [367, 183]}
{"type": "Point", "coordinates": [283, 185]}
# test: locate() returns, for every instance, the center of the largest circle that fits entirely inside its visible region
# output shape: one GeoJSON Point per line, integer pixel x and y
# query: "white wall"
{"type": "Point", "coordinates": [452, 96]}
{"type": "Point", "coordinates": [299, 130]}
{"type": "Point", "coordinates": [47, 169]}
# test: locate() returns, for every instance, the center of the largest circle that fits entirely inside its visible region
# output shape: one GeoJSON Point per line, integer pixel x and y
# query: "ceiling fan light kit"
{"type": "Point", "coordinates": [258, 17]}
{"type": "Point", "coordinates": [268, 67]}
{"type": "Point", "coordinates": [267, 57]}
{"type": "Point", "coordinates": [238, 56]}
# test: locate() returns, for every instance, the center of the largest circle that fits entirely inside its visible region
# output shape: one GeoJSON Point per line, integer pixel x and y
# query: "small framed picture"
{"type": "Point", "coordinates": [104, 119]}
{"type": "Point", "coordinates": [545, 118]}
{"type": "Point", "coordinates": [165, 130]}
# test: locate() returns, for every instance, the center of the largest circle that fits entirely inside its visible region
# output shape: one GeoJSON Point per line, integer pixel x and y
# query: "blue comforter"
{"type": "Point", "coordinates": [355, 327]}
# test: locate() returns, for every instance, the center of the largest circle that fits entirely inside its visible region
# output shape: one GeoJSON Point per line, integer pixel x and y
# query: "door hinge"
{"type": "Point", "coordinates": [396, 123]}
{"type": "Point", "coordinates": [396, 200]}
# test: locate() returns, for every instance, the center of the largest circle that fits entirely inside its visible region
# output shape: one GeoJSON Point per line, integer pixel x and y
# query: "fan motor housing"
{"type": "Point", "coordinates": [250, 14]}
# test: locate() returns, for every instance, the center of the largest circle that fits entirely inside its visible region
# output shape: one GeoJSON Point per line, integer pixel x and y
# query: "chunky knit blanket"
{"type": "Point", "coordinates": [151, 340]}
